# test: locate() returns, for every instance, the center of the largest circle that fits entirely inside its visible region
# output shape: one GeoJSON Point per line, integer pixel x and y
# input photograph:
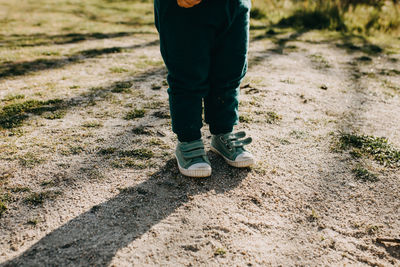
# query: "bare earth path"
{"type": "Point", "coordinates": [91, 188]}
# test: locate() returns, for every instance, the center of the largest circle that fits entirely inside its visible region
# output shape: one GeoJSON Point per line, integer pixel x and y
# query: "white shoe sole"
{"type": "Point", "coordinates": [194, 173]}
{"type": "Point", "coordinates": [238, 164]}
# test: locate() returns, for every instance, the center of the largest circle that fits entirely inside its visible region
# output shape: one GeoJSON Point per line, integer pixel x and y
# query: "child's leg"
{"type": "Point", "coordinates": [228, 67]}
{"type": "Point", "coordinates": [186, 36]}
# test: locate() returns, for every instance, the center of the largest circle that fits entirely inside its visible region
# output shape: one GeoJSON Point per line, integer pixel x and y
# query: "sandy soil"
{"type": "Point", "coordinates": [301, 205]}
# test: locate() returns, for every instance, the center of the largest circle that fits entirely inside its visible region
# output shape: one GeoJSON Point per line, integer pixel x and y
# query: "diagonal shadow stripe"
{"type": "Point", "coordinates": [94, 237]}
{"type": "Point", "coordinates": [22, 68]}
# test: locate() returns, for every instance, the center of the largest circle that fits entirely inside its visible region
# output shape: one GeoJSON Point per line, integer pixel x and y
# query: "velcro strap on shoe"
{"type": "Point", "coordinates": [191, 146]}
{"type": "Point", "coordinates": [194, 153]}
{"type": "Point", "coordinates": [241, 143]}
{"type": "Point", "coordinates": [234, 136]}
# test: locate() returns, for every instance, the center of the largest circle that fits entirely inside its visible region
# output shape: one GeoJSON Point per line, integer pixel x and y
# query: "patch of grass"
{"type": "Point", "coordinates": [13, 97]}
{"type": "Point", "coordinates": [5, 176]}
{"type": "Point", "coordinates": [38, 198]}
{"type": "Point", "coordinates": [158, 143]}
{"type": "Point", "coordinates": [107, 151]}
{"type": "Point", "coordinates": [20, 189]}
{"type": "Point", "coordinates": [162, 114]}
{"type": "Point", "coordinates": [146, 63]}
{"type": "Point", "coordinates": [321, 18]}
{"type": "Point", "coordinates": [6, 197]}
{"type": "Point", "coordinates": [3, 208]}
{"type": "Point", "coordinates": [377, 148]}
{"type": "Point", "coordinates": [141, 130]}
{"type": "Point", "coordinates": [272, 117]}
{"type": "Point", "coordinates": [154, 104]}
{"type": "Point", "coordinates": [118, 70]}
{"type": "Point", "coordinates": [284, 141]}
{"type": "Point", "coordinates": [141, 153]}
{"type": "Point", "coordinates": [56, 115]}
{"type": "Point", "coordinates": [245, 118]}
{"type": "Point", "coordinates": [92, 124]}
{"type": "Point", "coordinates": [313, 216]}
{"type": "Point", "coordinates": [50, 53]}
{"type": "Point", "coordinates": [391, 85]}
{"type": "Point", "coordinates": [297, 134]}
{"type": "Point", "coordinates": [30, 160]}
{"type": "Point", "coordinates": [122, 87]}
{"type": "Point", "coordinates": [92, 173]}
{"type": "Point", "coordinates": [33, 222]}
{"type": "Point", "coordinates": [373, 229]}
{"type": "Point", "coordinates": [75, 150]}
{"type": "Point", "coordinates": [219, 252]}
{"type": "Point", "coordinates": [13, 115]}
{"type": "Point", "coordinates": [389, 72]}
{"type": "Point", "coordinates": [136, 113]}
{"type": "Point", "coordinates": [47, 183]}
{"type": "Point", "coordinates": [155, 86]}
{"type": "Point", "coordinates": [320, 61]}
{"type": "Point", "coordinates": [364, 175]}
{"type": "Point", "coordinates": [127, 162]}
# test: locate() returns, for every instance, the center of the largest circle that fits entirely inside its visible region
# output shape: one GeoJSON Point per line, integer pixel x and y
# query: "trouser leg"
{"type": "Point", "coordinates": [186, 37]}
{"type": "Point", "coordinates": [228, 67]}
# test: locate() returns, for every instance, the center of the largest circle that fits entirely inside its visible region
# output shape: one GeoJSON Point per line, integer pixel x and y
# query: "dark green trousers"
{"type": "Point", "coordinates": [205, 51]}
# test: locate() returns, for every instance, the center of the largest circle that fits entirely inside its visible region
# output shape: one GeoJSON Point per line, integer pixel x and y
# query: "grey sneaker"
{"type": "Point", "coordinates": [192, 159]}
{"type": "Point", "coordinates": [230, 147]}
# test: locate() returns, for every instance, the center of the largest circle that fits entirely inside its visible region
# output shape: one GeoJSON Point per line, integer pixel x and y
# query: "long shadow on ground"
{"type": "Point", "coordinates": [41, 39]}
{"type": "Point", "coordinates": [94, 237]}
{"type": "Point", "coordinates": [22, 68]}
{"type": "Point", "coordinates": [14, 115]}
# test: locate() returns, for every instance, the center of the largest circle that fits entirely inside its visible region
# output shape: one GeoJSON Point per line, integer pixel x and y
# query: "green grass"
{"type": "Point", "coordinates": [20, 189]}
{"type": "Point", "coordinates": [219, 252]}
{"type": "Point", "coordinates": [141, 130]}
{"type": "Point", "coordinates": [366, 17]}
{"type": "Point", "coordinates": [364, 175]}
{"type": "Point", "coordinates": [13, 97]}
{"type": "Point", "coordinates": [377, 148]}
{"type": "Point", "coordinates": [38, 198]}
{"type": "Point", "coordinates": [31, 159]}
{"type": "Point", "coordinates": [55, 115]}
{"type": "Point", "coordinates": [92, 124]}
{"type": "Point", "coordinates": [107, 151]}
{"type": "Point", "coordinates": [13, 115]}
{"type": "Point", "coordinates": [33, 222]}
{"type": "Point", "coordinates": [136, 113]}
{"type": "Point", "coordinates": [48, 183]}
{"type": "Point", "coordinates": [118, 70]}
{"type": "Point", "coordinates": [162, 114]}
{"type": "Point", "coordinates": [245, 118]}
{"type": "Point", "coordinates": [272, 117]}
{"type": "Point", "coordinates": [3, 208]}
{"type": "Point", "coordinates": [122, 87]}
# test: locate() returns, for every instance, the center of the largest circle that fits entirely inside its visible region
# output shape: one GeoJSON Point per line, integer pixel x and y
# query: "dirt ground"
{"type": "Point", "coordinates": [89, 178]}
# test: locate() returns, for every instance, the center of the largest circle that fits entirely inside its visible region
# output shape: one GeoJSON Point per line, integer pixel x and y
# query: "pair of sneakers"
{"type": "Point", "coordinates": [193, 160]}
